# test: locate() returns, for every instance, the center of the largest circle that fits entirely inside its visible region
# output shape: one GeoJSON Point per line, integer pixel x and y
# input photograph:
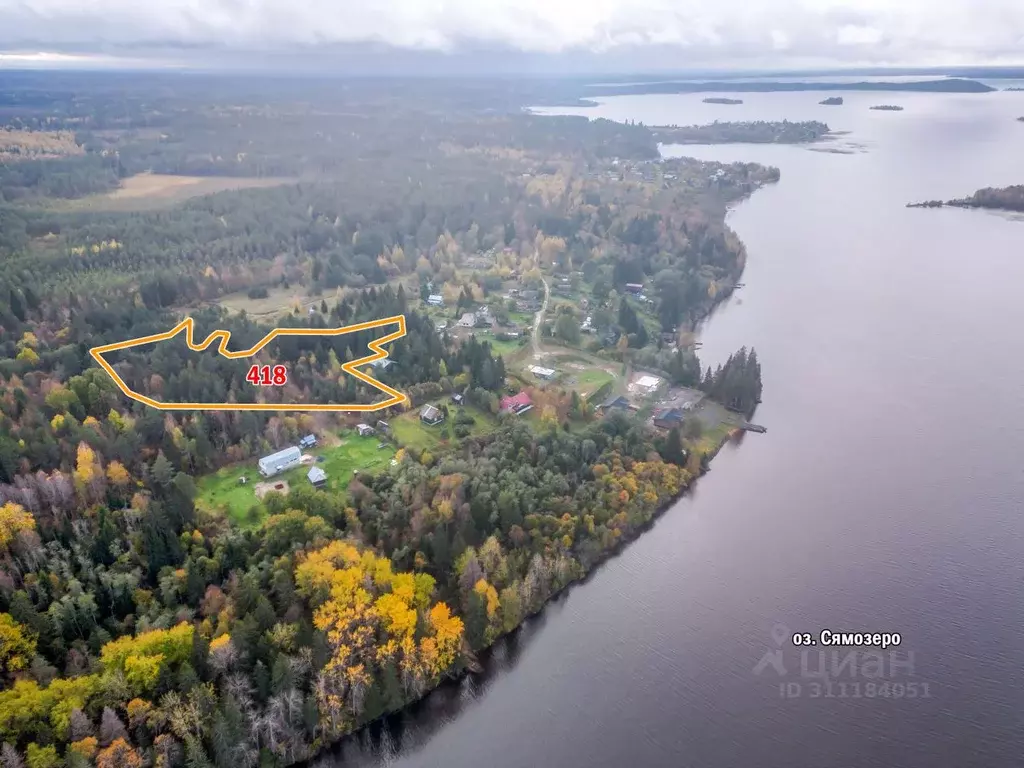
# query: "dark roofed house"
{"type": "Point", "coordinates": [431, 415]}
{"type": "Point", "coordinates": [616, 404]}
{"type": "Point", "coordinates": [383, 427]}
{"type": "Point", "coordinates": [516, 404]}
{"type": "Point", "coordinates": [668, 418]}
{"type": "Point", "coordinates": [317, 477]}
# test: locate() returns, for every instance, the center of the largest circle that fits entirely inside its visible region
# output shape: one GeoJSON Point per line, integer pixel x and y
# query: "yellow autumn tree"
{"type": "Point", "coordinates": [86, 467]}
{"type": "Point", "coordinates": [13, 520]}
{"type": "Point", "coordinates": [374, 619]}
{"type": "Point", "coordinates": [17, 645]}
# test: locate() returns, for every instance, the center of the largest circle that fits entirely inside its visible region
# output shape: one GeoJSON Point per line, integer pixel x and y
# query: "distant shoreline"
{"type": "Point", "coordinates": [951, 85]}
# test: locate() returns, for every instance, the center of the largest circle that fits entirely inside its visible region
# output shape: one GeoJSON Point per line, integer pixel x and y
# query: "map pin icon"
{"type": "Point", "coordinates": [780, 633]}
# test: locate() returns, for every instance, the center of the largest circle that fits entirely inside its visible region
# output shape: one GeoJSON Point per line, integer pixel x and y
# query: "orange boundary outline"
{"type": "Point", "coordinates": [351, 367]}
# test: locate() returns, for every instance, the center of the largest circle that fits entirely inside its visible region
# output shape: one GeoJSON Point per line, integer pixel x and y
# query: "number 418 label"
{"type": "Point", "coordinates": [265, 376]}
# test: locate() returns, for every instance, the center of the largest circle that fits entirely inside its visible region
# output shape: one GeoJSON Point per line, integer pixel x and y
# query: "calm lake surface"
{"type": "Point", "coordinates": [887, 494]}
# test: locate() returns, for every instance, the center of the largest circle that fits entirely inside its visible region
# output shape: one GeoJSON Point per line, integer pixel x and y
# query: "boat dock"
{"type": "Point", "coordinates": [748, 427]}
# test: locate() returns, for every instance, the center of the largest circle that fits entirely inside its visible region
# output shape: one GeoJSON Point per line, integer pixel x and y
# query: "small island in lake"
{"type": "Point", "coordinates": [1020, 119]}
{"type": "Point", "coordinates": [994, 198]}
{"type": "Point", "coordinates": [755, 132]}
{"type": "Point", "coordinates": [832, 101]}
{"type": "Point", "coordinates": [721, 100]}
{"type": "Point", "coordinates": [887, 108]}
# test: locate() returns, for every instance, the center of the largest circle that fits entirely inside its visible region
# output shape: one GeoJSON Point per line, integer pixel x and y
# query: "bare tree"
{"type": "Point", "coordinates": [111, 727]}
{"type": "Point", "coordinates": [9, 757]}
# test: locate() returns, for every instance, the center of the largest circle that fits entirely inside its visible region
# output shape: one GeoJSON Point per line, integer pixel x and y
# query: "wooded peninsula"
{"type": "Point", "coordinates": [753, 132]}
{"type": "Point", "coordinates": [996, 198]}
{"type": "Point", "coordinates": [194, 588]}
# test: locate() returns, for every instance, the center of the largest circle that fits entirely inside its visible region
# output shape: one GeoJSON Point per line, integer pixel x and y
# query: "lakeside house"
{"type": "Point", "coordinates": [317, 477]}
{"type": "Point", "coordinates": [516, 404]}
{"type": "Point", "coordinates": [277, 463]}
{"type": "Point", "coordinates": [431, 415]}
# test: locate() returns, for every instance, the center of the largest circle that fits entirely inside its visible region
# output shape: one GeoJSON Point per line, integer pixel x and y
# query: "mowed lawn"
{"type": "Point", "coordinates": [339, 462]}
{"type": "Point", "coordinates": [413, 433]}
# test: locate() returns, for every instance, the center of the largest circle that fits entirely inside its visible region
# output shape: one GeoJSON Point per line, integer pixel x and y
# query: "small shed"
{"type": "Point", "coordinates": [364, 430]}
{"type": "Point", "coordinates": [317, 477]}
{"type": "Point", "coordinates": [309, 441]}
{"type": "Point", "coordinates": [458, 399]}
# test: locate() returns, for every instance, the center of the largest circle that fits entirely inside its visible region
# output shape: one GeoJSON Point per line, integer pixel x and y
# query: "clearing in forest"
{"type": "Point", "coordinates": [225, 489]}
{"type": "Point", "coordinates": [146, 191]}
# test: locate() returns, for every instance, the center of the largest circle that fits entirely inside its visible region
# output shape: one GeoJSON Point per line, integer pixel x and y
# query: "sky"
{"type": "Point", "coordinates": [555, 35]}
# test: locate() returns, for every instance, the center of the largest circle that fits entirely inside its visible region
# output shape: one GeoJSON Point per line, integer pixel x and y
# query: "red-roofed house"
{"type": "Point", "coordinates": [517, 404]}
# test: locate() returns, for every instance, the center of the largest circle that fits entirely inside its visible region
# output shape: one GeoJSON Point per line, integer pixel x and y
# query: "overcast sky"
{"type": "Point", "coordinates": [652, 34]}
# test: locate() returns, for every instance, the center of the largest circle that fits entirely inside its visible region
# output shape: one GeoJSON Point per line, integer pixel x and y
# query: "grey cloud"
{"type": "Point", "coordinates": [707, 32]}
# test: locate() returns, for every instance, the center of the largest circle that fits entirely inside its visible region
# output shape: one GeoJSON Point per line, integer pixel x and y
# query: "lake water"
{"type": "Point", "coordinates": [886, 495]}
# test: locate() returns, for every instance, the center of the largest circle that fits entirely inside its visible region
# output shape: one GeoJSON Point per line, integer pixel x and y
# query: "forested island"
{"type": "Point", "coordinates": [887, 108]}
{"type": "Point", "coordinates": [832, 101]}
{"type": "Point", "coordinates": [753, 132]}
{"type": "Point", "coordinates": [721, 100]}
{"type": "Point", "coordinates": [166, 598]}
{"type": "Point", "coordinates": [996, 198]}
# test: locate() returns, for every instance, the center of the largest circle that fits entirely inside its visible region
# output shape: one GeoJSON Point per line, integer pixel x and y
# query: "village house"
{"type": "Point", "coordinates": [309, 441]}
{"type": "Point", "coordinates": [634, 288]}
{"type": "Point", "coordinates": [435, 300]}
{"type": "Point", "coordinates": [364, 430]}
{"type": "Point", "coordinates": [542, 373]}
{"type": "Point", "coordinates": [431, 415]}
{"type": "Point", "coordinates": [666, 418]}
{"type": "Point", "coordinates": [468, 320]}
{"type": "Point", "coordinates": [618, 403]}
{"type": "Point", "coordinates": [516, 404]}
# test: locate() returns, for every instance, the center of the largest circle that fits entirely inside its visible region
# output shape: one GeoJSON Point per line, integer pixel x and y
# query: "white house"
{"type": "Point", "coordinates": [364, 430]}
{"type": "Point", "coordinates": [278, 462]}
{"type": "Point", "coordinates": [435, 300]}
{"type": "Point", "coordinates": [468, 320]}
{"type": "Point", "coordinates": [542, 373]}
{"type": "Point", "coordinates": [648, 384]}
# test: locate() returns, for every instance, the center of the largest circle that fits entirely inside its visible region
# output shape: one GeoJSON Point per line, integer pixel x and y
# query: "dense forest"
{"type": "Point", "coordinates": [141, 627]}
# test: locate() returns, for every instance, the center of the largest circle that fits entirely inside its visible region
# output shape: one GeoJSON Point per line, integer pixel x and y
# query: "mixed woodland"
{"type": "Point", "coordinates": [139, 628]}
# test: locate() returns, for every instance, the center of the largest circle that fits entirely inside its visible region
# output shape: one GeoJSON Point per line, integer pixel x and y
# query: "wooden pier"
{"type": "Point", "coordinates": [748, 427]}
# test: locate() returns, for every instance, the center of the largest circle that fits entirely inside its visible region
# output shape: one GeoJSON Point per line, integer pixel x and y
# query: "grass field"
{"type": "Point", "coordinates": [504, 348]}
{"type": "Point", "coordinates": [279, 301]}
{"type": "Point", "coordinates": [413, 433]}
{"type": "Point", "coordinates": [354, 453]}
{"type": "Point", "coordinates": [591, 380]}
{"type": "Point", "coordinates": [147, 191]}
